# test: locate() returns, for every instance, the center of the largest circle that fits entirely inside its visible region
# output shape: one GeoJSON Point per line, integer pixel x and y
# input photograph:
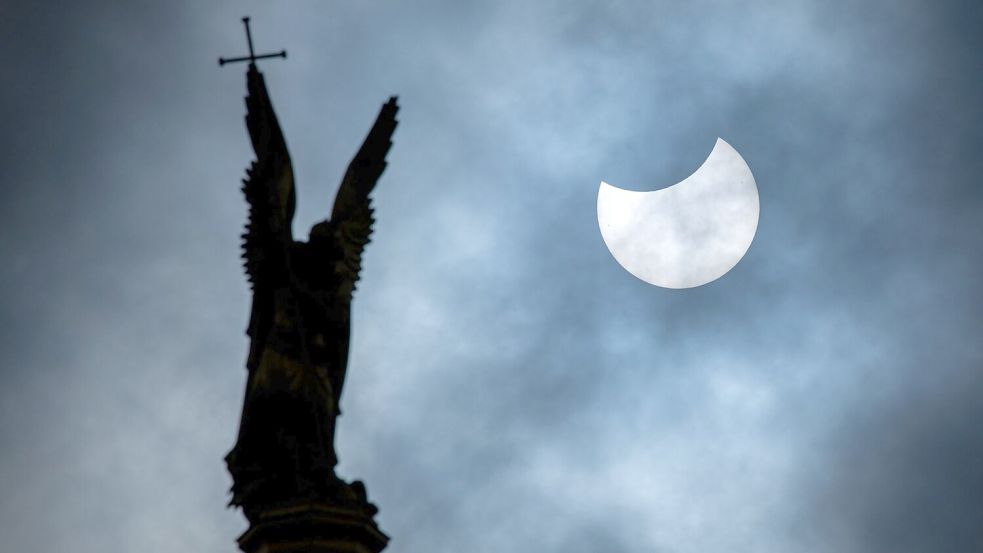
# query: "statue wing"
{"type": "Point", "coordinates": [351, 217]}
{"type": "Point", "coordinates": [269, 189]}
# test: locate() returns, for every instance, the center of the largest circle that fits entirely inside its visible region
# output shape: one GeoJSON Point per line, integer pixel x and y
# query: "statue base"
{"type": "Point", "coordinates": [313, 527]}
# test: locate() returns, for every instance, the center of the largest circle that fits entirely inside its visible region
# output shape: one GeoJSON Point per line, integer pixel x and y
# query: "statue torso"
{"type": "Point", "coordinates": [308, 321]}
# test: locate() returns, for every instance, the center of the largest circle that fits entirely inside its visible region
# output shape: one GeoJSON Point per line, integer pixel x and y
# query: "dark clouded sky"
{"type": "Point", "coordinates": [511, 388]}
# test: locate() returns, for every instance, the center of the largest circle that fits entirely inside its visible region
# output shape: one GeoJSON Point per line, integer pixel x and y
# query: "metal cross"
{"type": "Point", "coordinates": [251, 58]}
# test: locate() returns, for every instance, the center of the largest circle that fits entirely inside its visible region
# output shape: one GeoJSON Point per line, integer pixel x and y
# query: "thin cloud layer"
{"type": "Point", "coordinates": [511, 387]}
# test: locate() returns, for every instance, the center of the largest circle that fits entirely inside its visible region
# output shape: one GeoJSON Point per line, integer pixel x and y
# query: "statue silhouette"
{"type": "Point", "coordinates": [300, 322]}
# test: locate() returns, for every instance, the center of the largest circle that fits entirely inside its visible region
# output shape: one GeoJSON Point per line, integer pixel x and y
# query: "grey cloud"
{"type": "Point", "coordinates": [511, 388]}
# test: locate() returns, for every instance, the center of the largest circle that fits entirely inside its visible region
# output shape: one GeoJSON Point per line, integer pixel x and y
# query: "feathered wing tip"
{"type": "Point", "coordinates": [352, 215]}
{"type": "Point", "coordinates": [268, 187]}
{"type": "Point", "coordinates": [368, 163]}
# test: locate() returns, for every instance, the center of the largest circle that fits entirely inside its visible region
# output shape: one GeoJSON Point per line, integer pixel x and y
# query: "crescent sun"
{"type": "Point", "coordinates": [688, 234]}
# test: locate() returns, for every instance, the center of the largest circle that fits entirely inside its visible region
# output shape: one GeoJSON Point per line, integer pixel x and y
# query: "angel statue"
{"type": "Point", "coordinates": [300, 322]}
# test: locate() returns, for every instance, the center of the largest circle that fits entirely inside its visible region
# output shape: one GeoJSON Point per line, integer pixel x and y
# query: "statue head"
{"type": "Point", "coordinates": [321, 231]}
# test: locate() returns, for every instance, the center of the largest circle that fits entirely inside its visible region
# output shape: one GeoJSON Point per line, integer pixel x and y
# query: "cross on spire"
{"type": "Point", "coordinates": [251, 58]}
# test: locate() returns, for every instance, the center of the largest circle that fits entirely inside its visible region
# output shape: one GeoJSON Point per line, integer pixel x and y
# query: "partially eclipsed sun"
{"type": "Point", "coordinates": [688, 234]}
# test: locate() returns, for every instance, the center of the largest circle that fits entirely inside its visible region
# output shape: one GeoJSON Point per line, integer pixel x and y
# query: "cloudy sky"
{"type": "Point", "coordinates": [511, 388]}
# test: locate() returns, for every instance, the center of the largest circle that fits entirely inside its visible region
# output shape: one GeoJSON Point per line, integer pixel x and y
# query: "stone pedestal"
{"type": "Point", "coordinates": [313, 528]}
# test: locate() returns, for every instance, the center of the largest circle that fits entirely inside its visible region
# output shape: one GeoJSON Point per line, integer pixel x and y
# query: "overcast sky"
{"type": "Point", "coordinates": [511, 387]}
